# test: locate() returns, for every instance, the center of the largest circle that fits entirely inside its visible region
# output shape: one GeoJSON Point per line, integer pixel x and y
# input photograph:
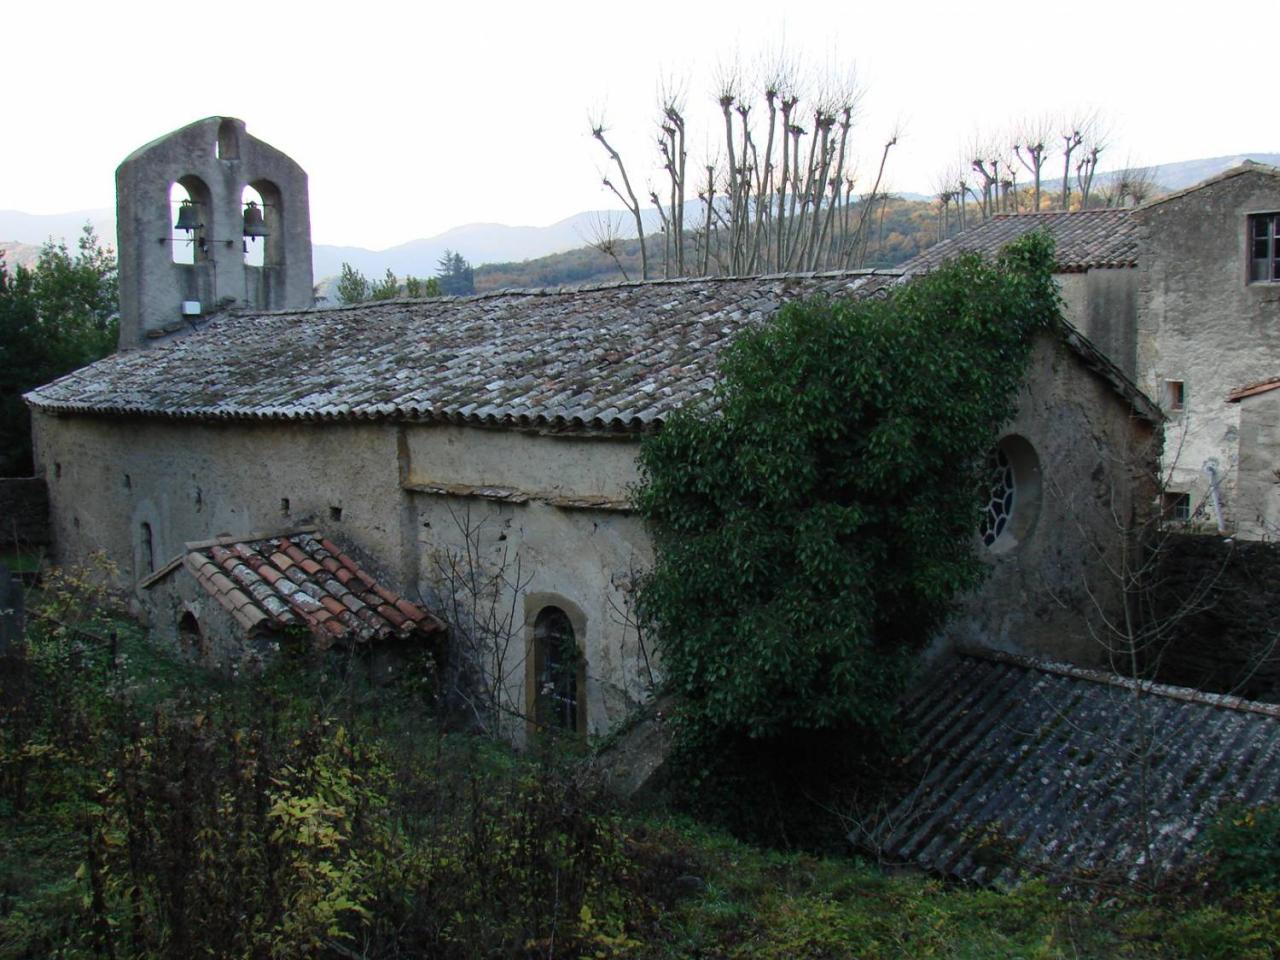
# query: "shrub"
{"type": "Point", "coordinates": [1244, 846]}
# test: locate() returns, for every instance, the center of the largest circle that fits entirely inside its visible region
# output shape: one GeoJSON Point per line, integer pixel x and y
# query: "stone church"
{"type": "Point", "coordinates": [255, 465]}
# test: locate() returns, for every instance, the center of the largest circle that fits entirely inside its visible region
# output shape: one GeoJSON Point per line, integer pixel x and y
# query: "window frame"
{"type": "Point", "coordinates": [1264, 269]}
{"type": "Point", "coordinates": [536, 604]}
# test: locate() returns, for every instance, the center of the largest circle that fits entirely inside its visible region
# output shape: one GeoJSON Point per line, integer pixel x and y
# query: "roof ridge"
{"type": "Point", "coordinates": [566, 289]}
{"type": "Point", "coordinates": [1138, 687]}
{"type": "Point", "coordinates": [1245, 166]}
{"type": "Point", "coordinates": [1060, 213]}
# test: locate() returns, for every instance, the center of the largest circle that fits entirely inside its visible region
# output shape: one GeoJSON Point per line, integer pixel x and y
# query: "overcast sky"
{"type": "Point", "coordinates": [413, 118]}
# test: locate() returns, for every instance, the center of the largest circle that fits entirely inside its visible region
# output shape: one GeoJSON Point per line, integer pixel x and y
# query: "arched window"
{"type": "Point", "coordinates": [147, 549]}
{"type": "Point", "coordinates": [189, 632]}
{"type": "Point", "coordinates": [557, 664]}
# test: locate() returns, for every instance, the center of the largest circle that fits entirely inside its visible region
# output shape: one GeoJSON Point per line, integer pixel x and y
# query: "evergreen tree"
{"type": "Point", "coordinates": [388, 288]}
{"type": "Point", "coordinates": [455, 274]}
{"type": "Point", "coordinates": [352, 285]}
{"type": "Point", "coordinates": [53, 319]}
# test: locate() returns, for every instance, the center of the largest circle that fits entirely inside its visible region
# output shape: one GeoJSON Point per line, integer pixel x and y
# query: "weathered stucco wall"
{"type": "Point", "coordinates": [1101, 304]}
{"type": "Point", "coordinates": [1044, 591]}
{"type": "Point", "coordinates": [1257, 508]}
{"type": "Point", "coordinates": [542, 520]}
{"type": "Point", "coordinates": [1201, 322]}
{"type": "Point", "coordinates": [407, 496]}
{"type": "Point", "coordinates": [193, 481]}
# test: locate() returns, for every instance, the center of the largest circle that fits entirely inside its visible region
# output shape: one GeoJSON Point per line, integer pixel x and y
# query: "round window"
{"type": "Point", "coordinates": [1012, 494]}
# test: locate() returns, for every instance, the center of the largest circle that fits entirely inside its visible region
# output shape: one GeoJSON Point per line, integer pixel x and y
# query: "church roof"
{"type": "Point", "coordinates": [618, 357]}
{"type": "Point", "coordinates": [298, 579]}
{"type": "Point", "coordinates": [1082, 239]}
{"type": "Point", "coordinates": [1027, 764]}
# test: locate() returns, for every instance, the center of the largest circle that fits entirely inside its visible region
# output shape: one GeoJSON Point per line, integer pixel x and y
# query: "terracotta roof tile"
{"type": "Point", "coordinates": [1253, 389]}
{"type": "Point", "coordinates": [281, 581]}
{"type": "Point", "coordinates": [1082, 239]}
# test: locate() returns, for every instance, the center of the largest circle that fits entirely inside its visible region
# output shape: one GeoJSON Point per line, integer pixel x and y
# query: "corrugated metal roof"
{"type": "Point", "coordinates": [1082, 239]}
{"type": "Point", "coordinates": [300, 579]}
{"type": "Point", "coordinates": [618, 357]}
{"type": "Point", "coordinates": [1027, 765]}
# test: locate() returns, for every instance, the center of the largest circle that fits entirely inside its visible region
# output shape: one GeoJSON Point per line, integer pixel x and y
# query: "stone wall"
{"type": "Point", "coordinates": [1228, 638]}
{"type": "Point", "coordinates": [1202, 323]}
{"type": "Point", "coordinates": [539, 520]}
{"type": "Point", "coordinates": [547, 514]}
{"type": "Point", "coordinates": [24, 512]}
{"type": "Point", "coordinates": [1045, 593]}
{"type": "Point", "coordinates": [1257, 509]}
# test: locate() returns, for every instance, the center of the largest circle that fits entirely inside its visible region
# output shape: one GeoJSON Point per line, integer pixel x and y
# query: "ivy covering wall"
{"type": "Point", "coordinates": [815, 521]}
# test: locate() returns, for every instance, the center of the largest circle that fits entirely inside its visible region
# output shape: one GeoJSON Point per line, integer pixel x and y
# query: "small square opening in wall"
{"type": "Point", "coordinates": [1176, 507]}
{"type": "Point", "coordinates": [128, 482]}
{"type": "Point", "coordinates": [284, 505]}
{"type": "Point", "coordinates": [335, 513]}
{"type": "Point", "coordinates": [57, 471]}
{"type": "Point", "coordinates": [1174, 395]}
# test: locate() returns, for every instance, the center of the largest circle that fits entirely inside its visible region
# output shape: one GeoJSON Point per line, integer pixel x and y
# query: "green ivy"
{"type": "Point", "coordinates": [815, 522]}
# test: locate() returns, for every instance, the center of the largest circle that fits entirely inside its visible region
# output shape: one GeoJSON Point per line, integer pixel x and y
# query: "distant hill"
{"type": "Point", "coordinates": [1176, 176]}
{"type": "Point", "coordinates": [523, 255]}
{"type": "Point", "coordinates": [20, 254]}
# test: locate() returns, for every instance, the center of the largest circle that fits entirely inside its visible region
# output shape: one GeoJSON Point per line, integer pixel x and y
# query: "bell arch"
{"type": "Point", "coordinates": [190, 213]}
{"type": "Point", "coordinates": [176, 272]}
{"type": "Point", "coordinates": [253, 226]}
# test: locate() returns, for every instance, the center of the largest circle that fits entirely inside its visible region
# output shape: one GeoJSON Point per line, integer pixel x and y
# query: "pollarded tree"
{"type": "Point", "coordinates": [813, 528]}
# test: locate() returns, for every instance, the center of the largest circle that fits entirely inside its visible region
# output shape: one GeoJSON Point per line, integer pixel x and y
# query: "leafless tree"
{"type": "Point", "coordinates": [605, 234]}
{"type": "Point", "coordinates": [1073, 131]}
{"type": "Point", "coordinates": [629, 199]}
{"type": "Point", "coordinates": [1029, 146]}
{"type": "Point", "coordinates": [1095, 141]}
{"type": "Point", "coordinates": [1129, 187]}
{"type": "Point", "coordinates": [478, 595]}
{"type": "Point", "coordinates": [779, 195]}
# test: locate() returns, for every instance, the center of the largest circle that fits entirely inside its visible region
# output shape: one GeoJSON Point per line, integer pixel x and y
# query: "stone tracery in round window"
{"type": "Point", "coordinates": [1011, 504]}
{"type": "Point", "coordinates": [1002, 493]}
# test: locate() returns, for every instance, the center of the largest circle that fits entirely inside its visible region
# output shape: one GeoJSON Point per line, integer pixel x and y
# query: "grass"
{"type": "Point", "coordinates": [678, 889]}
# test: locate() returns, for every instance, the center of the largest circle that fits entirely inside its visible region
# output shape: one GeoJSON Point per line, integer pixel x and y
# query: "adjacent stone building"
{"type": "Point", "coordinates": [1183, 294]}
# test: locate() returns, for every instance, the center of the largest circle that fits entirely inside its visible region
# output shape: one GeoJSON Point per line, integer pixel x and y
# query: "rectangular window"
{"type": "Point", "coordinates": [1264, 248]}
{"type": "Point", "coordinates": [1174, 397]}
{"type": "Point", "coordinates": [1177, 507]}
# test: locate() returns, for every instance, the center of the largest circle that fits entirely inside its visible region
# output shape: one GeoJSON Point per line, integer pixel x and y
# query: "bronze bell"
{"type": "Point", "coordinates": [254, 224]}
{"type": "Point", "coordinates": [187, 217]}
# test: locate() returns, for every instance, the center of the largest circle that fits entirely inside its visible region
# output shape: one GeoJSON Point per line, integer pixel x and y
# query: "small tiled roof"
{"type": "Point", "coordinates": [301, 579]}
{"type": "Point", "coordinates": [618, 357]}
{"type": "Point", "coordinates": [1253, 389]}
{"type": "Point", "coordinates": [1030, 765]}
{"type": "Point", "coordinates": [1082, 239]}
